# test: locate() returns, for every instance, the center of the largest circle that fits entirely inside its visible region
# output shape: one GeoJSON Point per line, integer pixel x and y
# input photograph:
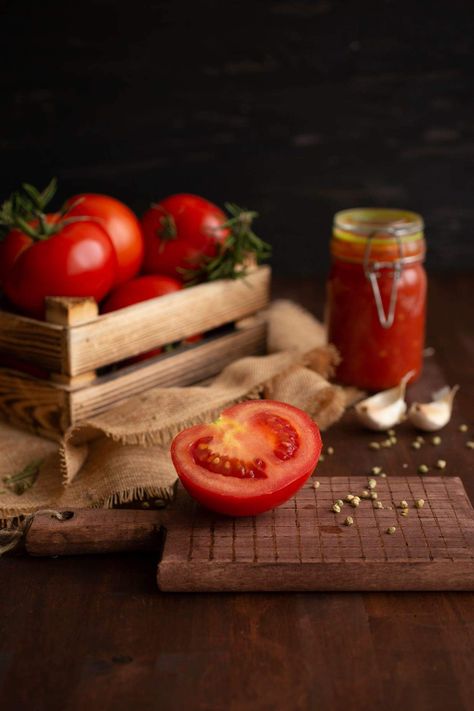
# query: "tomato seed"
{"type": "Point", "coordinates": [228, 466]}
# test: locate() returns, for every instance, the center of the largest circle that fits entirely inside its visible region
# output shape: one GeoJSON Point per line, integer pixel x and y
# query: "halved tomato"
{"type": "Point", "coordinates": [254, 457]}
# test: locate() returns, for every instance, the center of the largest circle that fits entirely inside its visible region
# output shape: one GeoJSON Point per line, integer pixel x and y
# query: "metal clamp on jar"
{"type": "Point", "coordinates": [377, 295]}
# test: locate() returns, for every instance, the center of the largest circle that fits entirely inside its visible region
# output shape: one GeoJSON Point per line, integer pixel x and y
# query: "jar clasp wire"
{"type": "Point", "coordinates": [372, 272]}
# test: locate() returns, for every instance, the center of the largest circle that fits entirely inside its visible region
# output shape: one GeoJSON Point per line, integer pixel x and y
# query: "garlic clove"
{"type": "Point", "coordinates": [385, 409]}
{"type": "Point", "coordinates": [434, 415]}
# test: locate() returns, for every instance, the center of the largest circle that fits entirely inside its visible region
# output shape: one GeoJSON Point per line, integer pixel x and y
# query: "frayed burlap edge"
{"type": "Point", "coordinates": [160, 437]}
{"type": "Point", "coordinates": [81, 439]}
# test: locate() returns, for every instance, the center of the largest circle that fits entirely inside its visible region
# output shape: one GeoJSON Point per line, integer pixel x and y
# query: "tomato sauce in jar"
{"type": "Point", "coordinates": [376, 296]}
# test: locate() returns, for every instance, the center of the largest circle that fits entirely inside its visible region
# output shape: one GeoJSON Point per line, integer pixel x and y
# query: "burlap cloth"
{"type": "Point", "coordinates": [123, 454]}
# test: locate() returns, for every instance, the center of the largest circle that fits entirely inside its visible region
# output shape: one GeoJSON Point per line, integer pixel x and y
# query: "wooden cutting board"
{"type": "Point", "coordinates": [304, 546]}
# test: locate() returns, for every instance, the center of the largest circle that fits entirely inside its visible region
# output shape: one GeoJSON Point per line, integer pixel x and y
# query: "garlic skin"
{"type": "Point", "coordinates": [385, 409]}
{"type": "Point", "coordinates": [432, 416]}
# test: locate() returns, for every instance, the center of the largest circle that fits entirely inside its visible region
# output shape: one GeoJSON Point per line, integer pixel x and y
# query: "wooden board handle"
{"type": "Point", "coordinates": [95, 531]}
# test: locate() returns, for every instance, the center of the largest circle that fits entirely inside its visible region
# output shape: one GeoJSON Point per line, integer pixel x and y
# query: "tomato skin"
{"type": "Point", "coordinates": [15, 242]}
{"type": "Point", "coordinates": [235, 496]}
{"type": "Point", "coordinates": [79, 260]}
{"type": "Point", "coordinates": [140, 289]}
{"type": "Point", "coordinates": [233, 506]}
{"type": "Point", "coordinates": [197, 224]}
{"type": "Point", "coordinates": [10, 249]}
{"type": "Point", "coordinates": [122, 226]}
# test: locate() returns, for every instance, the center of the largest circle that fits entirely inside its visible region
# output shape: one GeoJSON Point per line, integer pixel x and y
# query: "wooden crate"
{"type": "Point", "coordinates": [83, 353]}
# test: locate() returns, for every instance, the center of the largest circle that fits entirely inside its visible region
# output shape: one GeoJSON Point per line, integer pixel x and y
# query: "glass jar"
{"type": "Point", "coordinates": [376, 296]}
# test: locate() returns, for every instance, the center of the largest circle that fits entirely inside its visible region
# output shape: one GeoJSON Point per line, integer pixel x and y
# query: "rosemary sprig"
{"type": "Point", "coordinates": [23, 480]}
{"type": "Point", "coordinates": [24, 206]}
{"type": "Point", "coordinates": [25, 210]}
{"type": "Point", "coordinates": [232, 254]}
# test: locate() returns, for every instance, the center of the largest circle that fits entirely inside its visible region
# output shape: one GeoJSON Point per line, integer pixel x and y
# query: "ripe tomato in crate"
{"type": "Point", "coordinates": [75, 343]}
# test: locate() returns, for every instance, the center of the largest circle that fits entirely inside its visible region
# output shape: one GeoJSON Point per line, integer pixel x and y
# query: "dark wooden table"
{"type": "Point", "coordinates": [93, 633]}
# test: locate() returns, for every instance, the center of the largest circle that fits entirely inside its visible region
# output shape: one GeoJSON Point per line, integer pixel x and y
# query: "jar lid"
{"type": "Point", "coordinates": [381, 224]}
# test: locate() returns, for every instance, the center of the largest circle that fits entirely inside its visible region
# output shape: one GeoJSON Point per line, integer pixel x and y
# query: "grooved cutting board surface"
{"type": "Point", "coordinates": [303, 545]}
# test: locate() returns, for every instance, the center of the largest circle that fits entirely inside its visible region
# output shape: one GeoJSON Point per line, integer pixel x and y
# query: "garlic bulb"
{"type": "Point", "coordinates": [385, 409]}
{"type": "Point", "coordinates": [431, 416]}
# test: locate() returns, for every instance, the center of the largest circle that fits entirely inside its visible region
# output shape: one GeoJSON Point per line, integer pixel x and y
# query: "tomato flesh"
{"type": "Point", "coordinates": [254, 457]}
{"type": "Point", "coordinates": [210, 459]}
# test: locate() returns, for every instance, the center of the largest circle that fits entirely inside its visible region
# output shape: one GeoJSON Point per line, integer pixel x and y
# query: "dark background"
{"type": "Point", "coordinates": [296, 109]}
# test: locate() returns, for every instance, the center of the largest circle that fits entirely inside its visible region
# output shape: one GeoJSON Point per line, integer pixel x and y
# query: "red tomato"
{"type": "Point", "coordinates": [121, 225]}
{"type": "Point", "coordinates": [141, 289]}
{"type": "Point", "coordinates": [179, 232]}
{"type": "Point", "coordinates": [79, 260]}
{"type": "Point", "coordinates": [194, 339]}
{"type": "Point", "coordinates": [15, 242]}
{"type": "Point", "coordinates": [254, 457]}
{"type": "Point", "coordinates": [10, 248]}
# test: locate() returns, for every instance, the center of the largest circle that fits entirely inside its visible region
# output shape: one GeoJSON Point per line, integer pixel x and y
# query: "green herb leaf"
{"type": "Point", "coordinates": [25, 210]}
{"type": "Point", "coordinates": [241, 246]}
{"type": "Point", "coordinates": [23, 480]}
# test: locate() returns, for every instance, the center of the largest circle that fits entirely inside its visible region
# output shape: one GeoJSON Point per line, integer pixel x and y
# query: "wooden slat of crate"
{"type": "Point", "coordinates": [49, 408]}
{"type": "Point", "coordinates": [153, 323]}
{"type": "Point", "coordinates": [303, 545]}
{"type": "Point", "coordinates": [183, 367]}
{"type": "Point", "coordinates": [37, 405]}
{"type": "Point", "coordinates": [74, 350]}
{"type": "Point", "coordinates": [36, 341]}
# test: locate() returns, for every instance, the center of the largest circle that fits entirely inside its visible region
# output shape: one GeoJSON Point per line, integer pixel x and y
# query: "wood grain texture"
{"type": "Point", "coordinates": [169, 318]}
{"type": "Point", "coordinates": [77, 341]}
{"type": "Point", "coordinates": [186, 365]}
{"type": "Point", "coordinates": [90, 531]}
{"type": "Point", "coordinates": [50, 408]}
{"type": "Point", "coordinates": [70, 310]}
{"type": "Point", "coordinates": [303, 545]}
{"type": "Point", "coordinates": [36, 341]}
{"type": "Point", "coordinates": [92, 632]}
{"type": "Point", "coordinates": [33, 404]}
